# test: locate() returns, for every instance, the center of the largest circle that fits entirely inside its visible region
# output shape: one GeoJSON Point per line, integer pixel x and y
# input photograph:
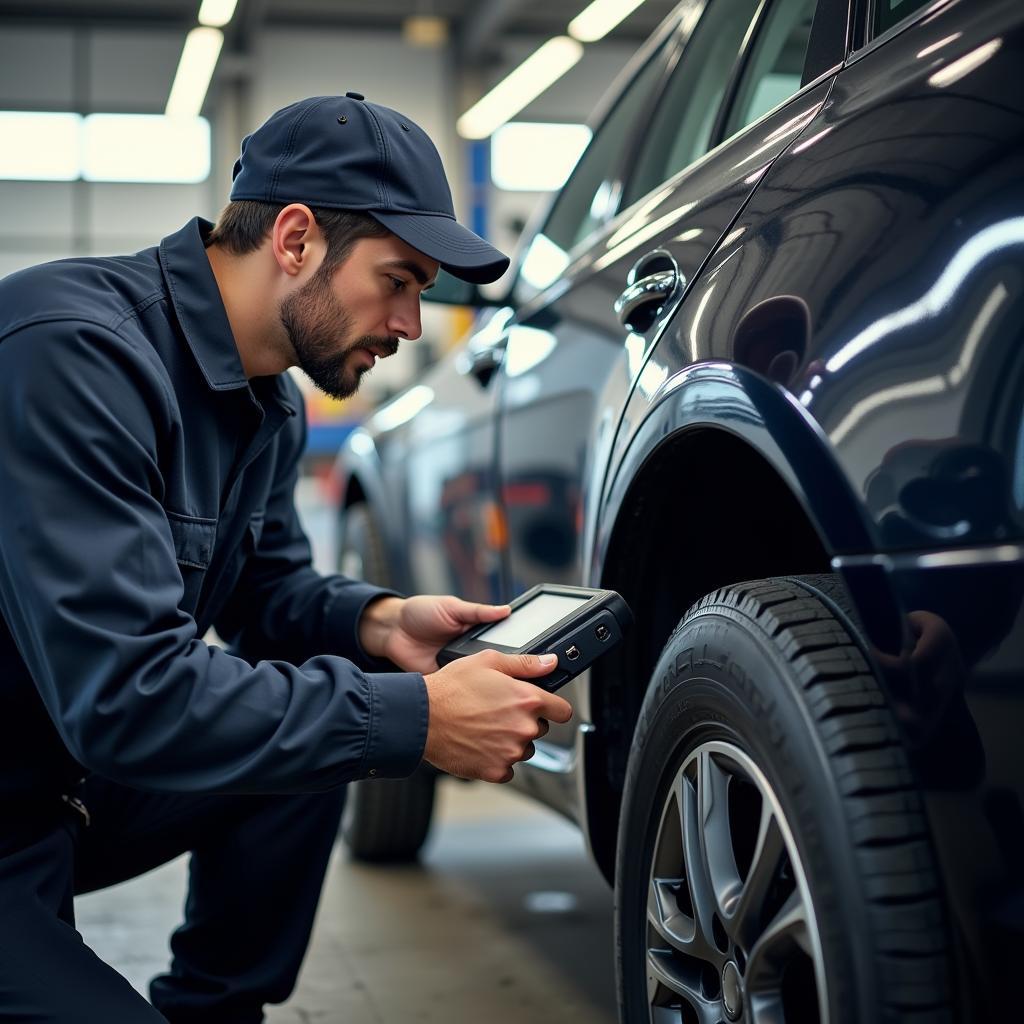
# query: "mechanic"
{"type": "Point", "coordinates": [150, 442]}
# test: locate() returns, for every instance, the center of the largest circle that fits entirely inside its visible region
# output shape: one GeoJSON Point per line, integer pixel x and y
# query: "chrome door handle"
{"type": "Point", "coordinates": [654, 288]}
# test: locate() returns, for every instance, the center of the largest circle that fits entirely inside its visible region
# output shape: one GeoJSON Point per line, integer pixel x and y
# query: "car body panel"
{"type": "Point", "coordinates": [853, 314]}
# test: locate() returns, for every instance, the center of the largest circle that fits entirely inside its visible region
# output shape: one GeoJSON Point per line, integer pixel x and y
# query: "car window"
{"type": "Point", "coordinates": [681, 129]}
{"type": "Point", "coordinates": [776, 64]}
{"type": "Point", "coordinates": [889, 12]}
{"type": "Point", "coordinates": [589, 196]}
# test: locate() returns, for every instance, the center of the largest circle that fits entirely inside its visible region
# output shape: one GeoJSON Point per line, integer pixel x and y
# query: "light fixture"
{"type": "Point", "coordinates": [40, 146]}
{"type": "Point", "coordinates": [425, 30]}
{"type": "Point", "coordinates": [597, 20]}
{"type": "Point", "coordinates": [64, 146]}
{"type": "Point", "coordinates": [543, 67]}
{"type": "Point", "coordinates": [192, 79]}
{"type": "Point", "coordinates": [146, 147]}
{"type": "Point", "coordinates": [514, 149]}
{"type": "Point", "coordinates": [216, 13]}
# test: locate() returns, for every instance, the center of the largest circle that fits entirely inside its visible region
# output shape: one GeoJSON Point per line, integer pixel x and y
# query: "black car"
{"type": "Point", "coordinates": [761, 370]}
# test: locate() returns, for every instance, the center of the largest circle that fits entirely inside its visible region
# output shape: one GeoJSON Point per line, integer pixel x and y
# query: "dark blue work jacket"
{"type": "Point", "coordinates": [146, 493]}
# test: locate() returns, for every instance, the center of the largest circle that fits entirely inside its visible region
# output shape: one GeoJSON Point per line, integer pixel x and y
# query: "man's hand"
{"type": "Point", "coordinates": [484, 718]}
{"type": "Point", "coordinates": [410, 631]}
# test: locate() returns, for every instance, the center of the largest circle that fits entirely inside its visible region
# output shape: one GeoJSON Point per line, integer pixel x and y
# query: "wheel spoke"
{"type": "Point", "coordinates": [669, 894]}
{"type": "Point", "coordinates": [745, 916]}
{"type": "Point", "coordinates": [786, 933]}
{"type": "Point", "coordinates": [719, 851]}
{"type": "Point", "coordinates": [698, 806]}
{"type": "Point", "coordinates": [667, 984]}
{"type": "Point", "coordinates": [665, 917]}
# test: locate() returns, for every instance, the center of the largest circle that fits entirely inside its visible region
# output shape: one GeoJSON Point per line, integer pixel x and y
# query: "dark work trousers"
{"type": "Point", "coordinates": [255, 874]}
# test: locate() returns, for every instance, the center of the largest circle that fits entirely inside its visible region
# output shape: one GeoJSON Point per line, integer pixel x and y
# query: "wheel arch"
{"type": "Point", "coordinates": [777, 504]}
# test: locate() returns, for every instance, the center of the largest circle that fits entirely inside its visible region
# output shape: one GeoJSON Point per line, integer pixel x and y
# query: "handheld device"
{"type": "Point", "coordinates": [576, 623]}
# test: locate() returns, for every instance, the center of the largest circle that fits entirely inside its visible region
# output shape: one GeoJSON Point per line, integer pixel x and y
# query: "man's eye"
{"type": "Point", "coordinates": [397, 282]}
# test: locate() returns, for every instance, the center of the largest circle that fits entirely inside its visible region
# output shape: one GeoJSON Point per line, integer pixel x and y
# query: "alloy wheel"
{"type": "Point", "coordinates": [731, 933]}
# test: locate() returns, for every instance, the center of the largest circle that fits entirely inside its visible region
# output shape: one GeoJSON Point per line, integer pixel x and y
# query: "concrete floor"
{"type": "Point", "coordinates": [504, 919]}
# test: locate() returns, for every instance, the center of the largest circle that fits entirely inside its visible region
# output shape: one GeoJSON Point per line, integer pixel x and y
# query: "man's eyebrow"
{"type": "Point", "coordinates": [413, 268]}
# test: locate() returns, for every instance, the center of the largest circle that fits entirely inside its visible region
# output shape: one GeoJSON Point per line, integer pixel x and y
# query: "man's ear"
{"type": "Point", "coordinates": [296, 240]}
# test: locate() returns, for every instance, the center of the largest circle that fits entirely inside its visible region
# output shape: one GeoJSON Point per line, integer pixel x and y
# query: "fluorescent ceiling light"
{"type": "Point", "coordinates": [514, 149]}
{"type": "Point", "coordinates": [146, 147]}
{"type": "Point", "coordinates": [597, 20]}
{"type": "Point", "coordinates": [198, 59]}
{"type": "Point", "coordinates": [520, 88]}
{"type": "Point", "coordinates": [40, 147]}
{"type": "Point", "coordinates": [216, 13]}
{"type": "Point", "coordinates": [103, 147]}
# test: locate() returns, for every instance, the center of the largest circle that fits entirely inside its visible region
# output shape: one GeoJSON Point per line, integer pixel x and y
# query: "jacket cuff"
{"type": "Point", "coordinates": [342, 623]}
{"type": "Point", "coordinates": [397, 734]}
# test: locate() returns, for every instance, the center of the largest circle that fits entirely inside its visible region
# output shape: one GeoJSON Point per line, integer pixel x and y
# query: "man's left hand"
{"type": "Point", "coordinates": [410, 631]}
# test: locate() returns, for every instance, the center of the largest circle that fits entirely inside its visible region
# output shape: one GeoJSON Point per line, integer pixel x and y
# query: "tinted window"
{"type": "Point", "coordinates": [681, 129]}
{"type": "Point", "coordinates": [888, 12]}
{"type": "Point", "coordinates": [776, 62]}
{"type": "Point", "coordinates": [590, 195]}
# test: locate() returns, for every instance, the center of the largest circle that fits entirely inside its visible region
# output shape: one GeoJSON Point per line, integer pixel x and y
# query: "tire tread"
{"type": "Point", "coordinates": [879, 794]}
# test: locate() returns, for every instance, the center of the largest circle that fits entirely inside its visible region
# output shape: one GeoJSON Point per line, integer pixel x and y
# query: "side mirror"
{"type": "Point", "coordinates": [450, 291]}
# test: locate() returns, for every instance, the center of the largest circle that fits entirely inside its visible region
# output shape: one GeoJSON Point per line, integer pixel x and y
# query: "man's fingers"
{"type": "Point", "coordinates": [558, 709]}
{"type": "Point", "coordinates": [491, 612]}
{"type": "Point", "coordinates": [542, 727]}
{"type": "Point", "coordinates": [468, 612]}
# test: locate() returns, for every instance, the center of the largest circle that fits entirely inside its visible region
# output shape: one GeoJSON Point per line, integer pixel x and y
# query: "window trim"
{"type": "Point", "coordinates": [720, 132]}
{"type": "Point", "coordinates": [739, 67]}
{"type": "Point", "coordinates": [863, 43]}
{"type": "Point", "coordinates": [831, 38]}
{"type": "Point", "coordinates": [680, 53]}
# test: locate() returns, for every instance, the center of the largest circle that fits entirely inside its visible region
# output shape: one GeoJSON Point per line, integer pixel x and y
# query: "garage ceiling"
{"type": "Point", "coordinates": [533, 17]}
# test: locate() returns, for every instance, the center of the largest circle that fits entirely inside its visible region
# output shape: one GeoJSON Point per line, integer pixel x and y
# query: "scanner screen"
{"type": "Point", "coordinates": [530, 620]}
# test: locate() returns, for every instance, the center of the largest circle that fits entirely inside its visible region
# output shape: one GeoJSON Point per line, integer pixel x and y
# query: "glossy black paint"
{"type": "Point", "coordinates": [850, 315]}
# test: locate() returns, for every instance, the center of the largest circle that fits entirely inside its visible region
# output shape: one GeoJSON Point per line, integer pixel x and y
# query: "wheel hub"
{"type": "Point", "coordinates": [732, 990]}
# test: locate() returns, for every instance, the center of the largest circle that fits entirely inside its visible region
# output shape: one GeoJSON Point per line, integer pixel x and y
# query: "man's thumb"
{"type": "Point", "coordinates": [527, 666]}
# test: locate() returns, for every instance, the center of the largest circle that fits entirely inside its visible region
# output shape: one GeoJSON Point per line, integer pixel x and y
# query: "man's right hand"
{"type": "Point", "coordinates": [484, 718]}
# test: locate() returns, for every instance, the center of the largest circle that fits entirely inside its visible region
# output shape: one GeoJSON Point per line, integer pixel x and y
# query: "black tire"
{"type": "Point", "coordinates": [385, 820]}
{"type": "Point", "coordinates": [804, 888]}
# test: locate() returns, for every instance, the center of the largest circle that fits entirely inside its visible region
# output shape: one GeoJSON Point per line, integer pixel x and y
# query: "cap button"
{"type": "Point", "coordinates": [355, 96]}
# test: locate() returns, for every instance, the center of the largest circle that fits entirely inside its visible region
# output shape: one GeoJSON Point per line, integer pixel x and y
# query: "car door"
{"type": "Point", "coordinates": [578, 346]}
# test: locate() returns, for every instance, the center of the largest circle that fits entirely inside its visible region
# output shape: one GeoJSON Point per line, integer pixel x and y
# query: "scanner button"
{"type": "Point", "coordinates": [572, 653]}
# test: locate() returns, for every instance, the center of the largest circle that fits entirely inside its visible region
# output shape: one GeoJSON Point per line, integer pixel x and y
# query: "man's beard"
{"type": "Point", "coordinates": [316, 323]}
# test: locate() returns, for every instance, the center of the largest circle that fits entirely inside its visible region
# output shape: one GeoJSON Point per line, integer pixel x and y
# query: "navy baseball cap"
{"type": "Point", "coordinates": [346, 153]}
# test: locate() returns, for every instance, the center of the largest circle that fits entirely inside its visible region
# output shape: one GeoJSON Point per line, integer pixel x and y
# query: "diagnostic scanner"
{"type": "Point", "coordinates": [577, 624]}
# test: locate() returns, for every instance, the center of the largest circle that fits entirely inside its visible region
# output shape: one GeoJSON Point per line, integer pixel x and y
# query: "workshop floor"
{"type": "Point", "coordinates": [504, 919]}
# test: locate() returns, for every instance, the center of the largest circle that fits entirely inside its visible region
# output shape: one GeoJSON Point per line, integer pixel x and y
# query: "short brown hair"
{"type": "Point", "coordinates": [243, 225]}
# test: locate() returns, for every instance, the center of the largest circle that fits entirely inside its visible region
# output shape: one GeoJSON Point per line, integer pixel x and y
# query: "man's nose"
{"type": "Point", "coordinates": [405, 323]}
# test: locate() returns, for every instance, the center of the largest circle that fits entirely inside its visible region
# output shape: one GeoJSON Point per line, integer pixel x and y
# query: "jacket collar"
{"type": "Point", "coordinates": [201, 314]}
{"type": "Point", "coordinates": [198, 305]}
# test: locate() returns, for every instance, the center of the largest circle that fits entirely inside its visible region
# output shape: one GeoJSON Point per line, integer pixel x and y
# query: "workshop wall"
{"type": "Point", "coordinates": [88, 70]}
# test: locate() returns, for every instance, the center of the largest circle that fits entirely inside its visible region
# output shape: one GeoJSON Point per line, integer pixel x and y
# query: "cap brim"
{"type": "Point", "coordinates": [459, 251]}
